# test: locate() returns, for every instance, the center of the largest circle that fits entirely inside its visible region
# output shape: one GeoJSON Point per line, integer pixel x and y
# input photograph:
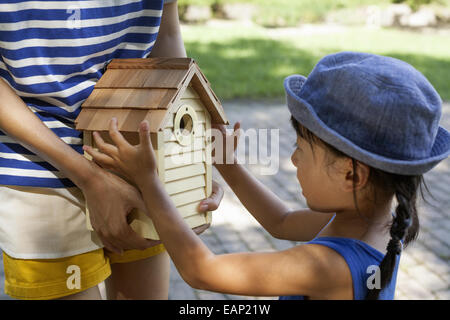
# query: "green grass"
{"type": "Point", "coordinates": [252, 61]}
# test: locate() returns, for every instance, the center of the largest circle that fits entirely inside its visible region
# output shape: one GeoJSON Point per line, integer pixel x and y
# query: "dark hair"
{"type": "Point", "coordinates": [405, 225]}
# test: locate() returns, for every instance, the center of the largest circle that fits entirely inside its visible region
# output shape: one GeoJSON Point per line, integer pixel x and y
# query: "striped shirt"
{"type": "Point", "coordinates": [52, 53]}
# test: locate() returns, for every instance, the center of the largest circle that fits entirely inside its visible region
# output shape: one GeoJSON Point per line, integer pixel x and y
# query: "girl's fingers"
{"type": "Point", "coordinates": [144, 135]}
{"type": "Point", "coordinates": [98, 157]}
{"type": "Point", "coordinates": [213, 202]}
{"type": "Point", "coordinates": [219, 127]}
{"type": "Point", "coordinates": [236, 133]}
{"type": "Point", "coordinates": [237, 130]}
{"type": "Point", "coordinates": [115, 135]}
{"type": "Point", "coordinates": [203, 206]}
{"type": "Point", "coordinates": [104, 147]}
{"type": "Point", "coordinates": [217, 194]}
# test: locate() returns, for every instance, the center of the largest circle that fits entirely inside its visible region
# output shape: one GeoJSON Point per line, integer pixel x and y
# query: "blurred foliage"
{"type": "Point", "coordinates": [252, 61]}
{"type": "Point", "coordinates": [281, 13]}
{"type": "Point", "coordinates": [286, 13]}
{"type": "Point", "coordinates": [415, 4]}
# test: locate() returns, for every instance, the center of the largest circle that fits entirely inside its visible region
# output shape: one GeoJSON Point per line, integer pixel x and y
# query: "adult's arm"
{"type": "Point", "coordinates": [109, 197]}
{"type": "Point", "coordinates": [169, 42]}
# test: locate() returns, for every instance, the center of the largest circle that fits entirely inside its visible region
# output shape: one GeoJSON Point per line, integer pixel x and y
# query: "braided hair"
{"type": "Point", "coordinates": [405, 224]}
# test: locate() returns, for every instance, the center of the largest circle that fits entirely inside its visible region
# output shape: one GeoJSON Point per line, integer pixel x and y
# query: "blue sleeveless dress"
{"type": "Point", "coordinates": [359, 257]}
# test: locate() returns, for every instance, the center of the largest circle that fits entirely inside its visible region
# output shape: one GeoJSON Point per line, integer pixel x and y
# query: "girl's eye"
{"type": "Point", "coordinates": [296, 146]}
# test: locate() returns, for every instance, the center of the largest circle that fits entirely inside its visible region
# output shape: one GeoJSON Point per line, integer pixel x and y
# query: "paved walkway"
{"type": "Point", "coordinates": [424, 269]}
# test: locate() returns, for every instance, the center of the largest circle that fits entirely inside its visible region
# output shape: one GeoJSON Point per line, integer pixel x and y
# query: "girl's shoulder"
{"type": "Point", "coordinates": [327, 270]}
{"type": "Point", "coordinates": [337, 267]}
{"type": "Point", "coordinates": [357, 254]}
{"type": "Point", "coordinates": [363, 262]}
{"type": "Point", "coordinates": [347, 244]}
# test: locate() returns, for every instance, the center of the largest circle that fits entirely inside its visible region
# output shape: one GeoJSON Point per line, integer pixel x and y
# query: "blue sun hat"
{"type": "Point", "coordinates": [378, 110]}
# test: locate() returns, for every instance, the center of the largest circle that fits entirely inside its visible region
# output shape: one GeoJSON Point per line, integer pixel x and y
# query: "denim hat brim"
{"type": "Point", "coordinates": [304, 113]}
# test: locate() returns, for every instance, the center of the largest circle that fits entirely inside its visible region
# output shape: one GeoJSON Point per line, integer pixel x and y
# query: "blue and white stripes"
{"type": "Point", "coordinates": [52, 53]}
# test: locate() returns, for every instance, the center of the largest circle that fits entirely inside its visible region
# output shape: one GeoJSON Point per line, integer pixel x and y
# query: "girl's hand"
{"type": "Point", "coordinates": [219, 154]}
{"type": "Point", "coordinates": [135, 163]}
{"type": "Point", "coordinates": [212, 203]}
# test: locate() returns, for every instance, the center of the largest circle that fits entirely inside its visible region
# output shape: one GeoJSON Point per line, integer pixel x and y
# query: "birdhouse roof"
{"type": "Point", "coordinates": [133, 90]}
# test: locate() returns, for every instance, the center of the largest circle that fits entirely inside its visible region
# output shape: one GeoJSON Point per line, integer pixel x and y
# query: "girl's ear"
{"type": "Point", "coordinates": [356, 175]}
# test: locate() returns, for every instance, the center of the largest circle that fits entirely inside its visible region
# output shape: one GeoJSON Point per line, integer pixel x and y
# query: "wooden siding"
{"type": "Point", "coordinates": [184, 185]}
{"type": "Point", "coordinates": [184, 172]}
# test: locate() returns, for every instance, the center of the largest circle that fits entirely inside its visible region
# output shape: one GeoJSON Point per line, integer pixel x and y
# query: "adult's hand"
{"type": "Point", "coordinates": [110, 199]}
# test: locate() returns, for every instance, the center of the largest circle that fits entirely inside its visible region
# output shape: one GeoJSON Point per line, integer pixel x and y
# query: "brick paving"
{"type": "Point", "coordinates": [424, 268]}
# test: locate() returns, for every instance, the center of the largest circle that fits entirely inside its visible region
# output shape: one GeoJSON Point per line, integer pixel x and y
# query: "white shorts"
{"type": "Point", "coordinates": [44, 223]}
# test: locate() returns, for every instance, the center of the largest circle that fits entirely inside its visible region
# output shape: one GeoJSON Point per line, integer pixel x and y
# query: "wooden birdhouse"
{"type": "Point", "coordinates": [179, 104]}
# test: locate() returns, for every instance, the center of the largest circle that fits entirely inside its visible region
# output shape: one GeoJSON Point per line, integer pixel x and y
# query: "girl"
{"type": "Point", "coordinates": [367, 129]}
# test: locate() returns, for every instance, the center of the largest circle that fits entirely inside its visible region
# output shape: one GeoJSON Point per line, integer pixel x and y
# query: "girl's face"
{"type": "Point", "coordinates": [319, 182]}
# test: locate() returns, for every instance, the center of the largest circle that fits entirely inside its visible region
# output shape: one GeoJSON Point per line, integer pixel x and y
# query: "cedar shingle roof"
{"type": "Point", "coordinates": [149, 88]}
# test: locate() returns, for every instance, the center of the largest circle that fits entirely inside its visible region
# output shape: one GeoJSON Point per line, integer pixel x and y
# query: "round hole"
{"type": "Point", "coordinates": [186, 124]}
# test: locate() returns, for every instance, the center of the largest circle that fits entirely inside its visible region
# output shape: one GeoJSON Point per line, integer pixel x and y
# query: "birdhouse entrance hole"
{"type": "Point", "coordinates": [184, 124]}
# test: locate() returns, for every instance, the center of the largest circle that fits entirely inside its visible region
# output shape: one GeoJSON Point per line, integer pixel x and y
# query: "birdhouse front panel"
{"type": "Point", "coordinates": [176, 99]}
{"type": "Point", "coordinates": [187, 153]}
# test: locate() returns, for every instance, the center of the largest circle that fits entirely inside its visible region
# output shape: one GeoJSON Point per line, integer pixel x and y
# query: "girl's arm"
{"type": "Point", "coordinates": [269, 210]}
{"type": "Point", "coordinates": [308, 270]}
{"type": "Point", "coordinates": [303, 270]}
{"type": "Point", "coordinates": [108, 196]}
